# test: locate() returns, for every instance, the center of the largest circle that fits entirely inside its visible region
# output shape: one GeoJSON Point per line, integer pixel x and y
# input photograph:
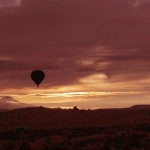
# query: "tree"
{"type": "Point", "coordinates": [75, 108]}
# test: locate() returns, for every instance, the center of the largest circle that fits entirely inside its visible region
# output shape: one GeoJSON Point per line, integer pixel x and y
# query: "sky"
{"type": "Point", "coordinates": [95, 53]}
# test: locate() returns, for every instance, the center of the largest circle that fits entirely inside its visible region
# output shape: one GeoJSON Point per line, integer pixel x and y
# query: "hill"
{"type": "Point", "coordinates": [140, 107]}
{"type": "Point", "coordinates": [10, 103]}
{"type": "Point", "coordinates": [3, 110]}
{"type": "Point", "coordinates": [45, 128]}
{"type": "Point", "coordinates": [45, 118]}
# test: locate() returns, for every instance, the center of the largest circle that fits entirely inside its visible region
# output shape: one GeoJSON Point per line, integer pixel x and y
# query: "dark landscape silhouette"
{"type": "Point", "coordinates": [71, 129]}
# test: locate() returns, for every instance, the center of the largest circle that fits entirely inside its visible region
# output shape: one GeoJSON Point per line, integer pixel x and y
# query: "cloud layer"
{"type": "Point", "coordinates": [72, 40]}
{"type": "Point", "coordinates": [9, 3]}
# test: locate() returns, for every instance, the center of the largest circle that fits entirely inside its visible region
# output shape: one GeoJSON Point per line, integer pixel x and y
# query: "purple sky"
{"type": "Point", "coordinates": [86, 46]}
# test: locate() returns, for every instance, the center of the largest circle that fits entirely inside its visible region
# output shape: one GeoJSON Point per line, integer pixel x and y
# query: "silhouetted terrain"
{"type": "Point", "coordinates": [3, 110]}
{"type": "Point", "coordinates": [10, 103]}
{"type": "Point", "coordinates": [140, 107]}
{"type": "Point", "coordinates": [43, 128]}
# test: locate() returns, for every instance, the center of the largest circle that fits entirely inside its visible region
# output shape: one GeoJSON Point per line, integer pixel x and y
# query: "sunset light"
{"type": "Point", "coordinates": [75, 74]}
{"type": "Point", "coordinates": [96, 57]}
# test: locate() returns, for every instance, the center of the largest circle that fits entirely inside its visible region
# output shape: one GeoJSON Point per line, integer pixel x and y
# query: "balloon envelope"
{"type": "Point", "coordinates": [37, 76]}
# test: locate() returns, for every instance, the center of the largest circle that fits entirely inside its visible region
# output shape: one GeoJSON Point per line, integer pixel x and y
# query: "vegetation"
{"type": "Point", "coordinates": [51, 129]}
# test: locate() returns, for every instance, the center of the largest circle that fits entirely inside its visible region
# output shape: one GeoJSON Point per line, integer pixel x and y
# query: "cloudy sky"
{"type": "Point", "coordinates": [95, 53]}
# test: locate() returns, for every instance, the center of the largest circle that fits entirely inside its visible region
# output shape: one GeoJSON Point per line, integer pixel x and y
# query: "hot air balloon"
{"type": "Point", "coordinates": [37, 76]}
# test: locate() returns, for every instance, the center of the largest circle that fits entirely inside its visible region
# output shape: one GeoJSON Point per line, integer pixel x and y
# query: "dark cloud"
{"type": "Point", "coordinates": [58, 36]}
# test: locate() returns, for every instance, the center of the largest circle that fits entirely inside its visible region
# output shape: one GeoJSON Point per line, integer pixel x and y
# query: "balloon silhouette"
{"type": "Point", "coordinates": [37, 76]}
